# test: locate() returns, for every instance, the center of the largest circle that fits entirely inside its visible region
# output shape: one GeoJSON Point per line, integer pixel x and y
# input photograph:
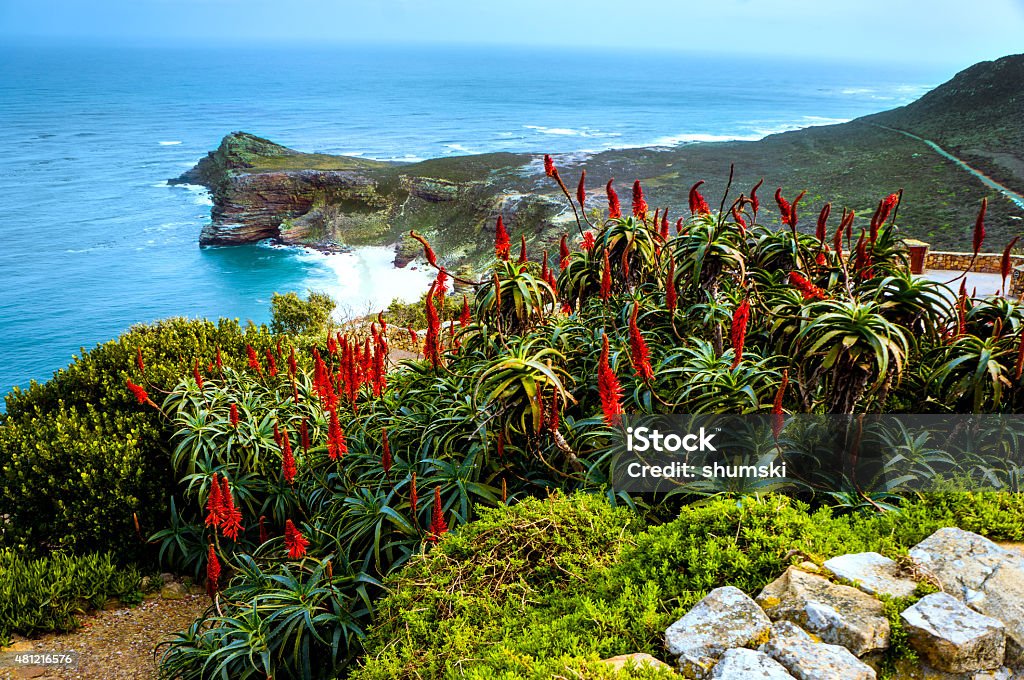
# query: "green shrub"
{"type": "Point", "coordinates": [511, 595]}
{"type": "Point", "coordinates": [46, 594]}
{"type": "Point", "coordinates": [292, 315]}
{"type": "Point", "coordinates": [80, 458]}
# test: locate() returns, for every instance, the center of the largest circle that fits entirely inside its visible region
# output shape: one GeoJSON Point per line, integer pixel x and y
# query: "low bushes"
{"type": "Point", "coordinates": [546, 588]}
{"type": "Point", "coordinates": [46, 594]}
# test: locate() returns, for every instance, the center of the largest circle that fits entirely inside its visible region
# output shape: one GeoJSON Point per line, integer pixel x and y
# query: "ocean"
{"type": "Point", "coordinates": [94, 240]}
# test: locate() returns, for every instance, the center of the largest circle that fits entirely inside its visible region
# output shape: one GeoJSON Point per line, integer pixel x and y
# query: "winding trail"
{"type": "Point", "coordinates": [1016, 198]}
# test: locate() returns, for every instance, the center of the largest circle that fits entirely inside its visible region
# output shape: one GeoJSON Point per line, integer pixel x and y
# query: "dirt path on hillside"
{"type": "Point", "coordinates": [117, 644]}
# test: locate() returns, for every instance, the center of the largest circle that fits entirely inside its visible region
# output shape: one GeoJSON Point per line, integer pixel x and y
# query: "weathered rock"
{"type": "Point", "coordinates": [747, 664]}
{"type": "Point", "coordinates": [726, 618]}
{"type": "Point", "coordinates": [873, 573]}
{"type": "Point", "coordinates": [637, 660]}
{"type": "Point", "coordinates": [806, 659]}
{"type": "Point", "coordinates": [174, 591]}
{"type": "Point", "coordinates": [837, 614]}
{"type": "Point", "coordinates": [953, 637]}
{"type": "Point", "coordinates": [986, 577]}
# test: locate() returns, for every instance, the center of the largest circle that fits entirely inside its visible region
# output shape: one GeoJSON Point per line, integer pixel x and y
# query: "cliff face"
{"type": "Point", "coordinates": [263, 190]}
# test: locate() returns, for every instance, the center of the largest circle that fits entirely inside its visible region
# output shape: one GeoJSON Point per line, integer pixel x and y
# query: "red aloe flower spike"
{"type": "Point", "coordinates": [413, 337]}
{"type": "Point", "coordinates": [784, 206]}
{"type": "Point", "coordinates": [138, 360]}
{"type": "Point", "coordinates": [792, 209]}
{"type": "Point", "coordinates": [431, 347]}
{"type": "Point", "coordinates": [465, 318]}
{"type": "Point", "coordinates": [501, 446]}
{"type": "Point", "coordinates": [523, 257]}
{"type": "Point", "coordinates": [979, 227]}
{"type": "Point", "coordinates": [581, 189]}
{"type": "Point", "coordinates": [657, 217]}
{"type": "Point", "coordinates": [606, 279]}
{"type": "Point", "coordinates": [140, 392]}
{"type": "Point", "coordinates": [336, 446]}
{"type": "Point", "coordinates": [638, 350]}
{"type": "Point", "coordinates": [563, 252]}
{"type": "Point", "coordinates": [544, 266]}
{"type": "Point", "coordinates": [294, 541]}
{"type": "Point", "coordinates": [277, 434]}
{"type": "Point", "coordinates": [755, 202]}
{"type": "Point", "coordinates": [288, 468]}
{"type": "Point", "coordinates": [220, 363]}
{"type": "Point", "coordinates": [272, 362]}
{"type": "Point", "coordinates": [554, 415]}
{"type": "Point", "coordinates": [679, 226]}
{"type": "Point", "coordinates": [428, 252]}
{"type": "Point", "coordinates": [232, 521]}
{"type": "Point", "coordinates": [214, 504]}
{"type": "Point", "coordinates": [254, 360]}
{"type": "Point", "coordinates": [212, 572]}
{"type": "Point", "coordinates": [549, 166]}
{"type": "Point", "coordinates": [822, 229]}
{"type": "Point", "coordinates": [293, 363]}
{"type": "Point", "coordinates": [738, 333]}
{"type": "Point", "coordinates": [806, 288]}
{"type": "Point", "coordinates": [438, 525]}
{"type": "Point", "coordinates": [614, 209]}
{"type": "Point", "coordinates": [698, 206]}
{"type": "Point", "coordinates": [588, 241]}
{"type": "Point", "coordinates": [502, 244]}
{"type": "Point", "coordinates": [737, 217]}
{"type": "Point", "coordinates": [233, 415]}
{"type": "Point", "coordinates": [609, 387]}
{"type": "Point", "coordinates": [413, 496]}
{"type": "Point", "coordinates": [1006, 264]}
{"type": "Point", "coordinates": [664, 226]}
{"type": "Point", "coordinates": [778, 415]}
{"type": "Point", "coordinates": [264, 534]}
{"type": "Point", "coordinates": [385, 458]}
{"type": "Point", "coordinates": [639, 204]}
{"type": "Point", "coordinates": [304, 435]}
{"type": "Point", "coordinates": [671, 294]}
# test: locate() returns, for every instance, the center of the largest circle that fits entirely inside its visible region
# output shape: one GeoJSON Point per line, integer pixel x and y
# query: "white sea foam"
{"type": "Point", "coordinates": [365, 280]}
{"type": "Point", "coordinates": [571, 132]}
{"type": "Point", "coordinates": [459, 148]}
{"type": "Point", "coordinates": [173, 143]}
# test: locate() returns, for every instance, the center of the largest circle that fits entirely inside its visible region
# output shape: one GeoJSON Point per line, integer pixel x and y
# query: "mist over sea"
{"type": "Point", "coordinates": [93, 240]}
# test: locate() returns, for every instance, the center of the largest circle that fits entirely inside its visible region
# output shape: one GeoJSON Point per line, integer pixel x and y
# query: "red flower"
{"type": "Point", "coordinates": [413, 338]}
{"type": "Point", "coordinates": [554, 415]}
{"type": "Point", "coordinates": [336, 446]}
{"type": "Point", "coordinates": [293, 363]}
{"type": "Point", "coordinates": [231, 523]}
{"type": "Point", "coordinates": [264, 534]}
{"type": "Point", "coordinates": [778, 415]}
{"type": "Point", "coordinates": [588, 241]}
{"type": "Point", "coordinates": [288, 468]}
{"type": "Point", "coordinates": [614, 209]}
{"type": "Point", "coordinates": [784, 207]}
{"type": "Point", "coordinates": [523, 257]}
{"type": "Point", "coordinates": [606, 279]}
{"type": "Point", "coordinates": [428, 252]}
{"type": "Point", "coordinates": [294, 541]}
{"type": "Point", "coordinates": [581, 189]}
{"type": "Point", "coordinates": [385, 458]}
{"type": "Point", "coordinates": [214, 503]}
{"type": "Point", "coordinates": [413, 496]}
{"type": "Point", "coordinates": [639, 204]}
{"type": "Point", "coordinates": [563, 252]}
{"type": "Point", "coordinates": [254, 360]}
{"type": "Point", "coordinates": [755, 202]}
{"type": "Point", "coordinates": [139, 391]}
{"type": "Point", "coordinates": [671, 295]}
{"type": "Point", "coordinates": [679, 226]}
{"type": "Point", "coordinates": [332, 345]}
{"type": "Point", "coordinates": [885, 207]}
{"type": "Point", "coordinates": [304, 435]}
{"type": "Point", "coordinates": [806, 288]}
{"type": "Point", "coordinates": [438, 525]}
{"type": "Point", "coordinates": [431, 347]}
{"type": "Point", "coordinates": [549, 166]}
{"type": "Point", "coordinates": [212, 572]}
{"type": "Point", "coordinates": [138, 360]}
{"type": "Point", "coordinates": [737, 217]}
{"type": "Point", "coordinates": [738, 332]}
{"type": "Point", "coordinates": [1006, 264]}
{"type": "Point", "coordinates": [272, 363]}
{"type": "Point", "coordinates": [979, 227]}
{"type": "Point", "coordinates": [501, 241]}
{"type": "Point", "coordinates": [196, 374]}
{"type": "Point", "coordinates": [609, 388]}
{"type": "Point", "coordinates": [664, 227]}
{"type": "Point", "coordinates": [639, 352]}
{"type": "Point", "coordinates": [822, 231]}
{"type": "Point", "coordinates": [698, 206]}
{"type": "Point", "coordinates": [1020, 359]}
{"type": "Point", "coordinates": [465, 318]}
{"type": "Point", "coordinates": [220, 364]}
{"type": "Point", "coordinates": [792, 209]}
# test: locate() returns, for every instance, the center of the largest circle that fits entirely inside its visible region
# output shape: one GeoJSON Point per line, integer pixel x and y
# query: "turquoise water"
{"type": "Point", "coordinates": [93, 239]}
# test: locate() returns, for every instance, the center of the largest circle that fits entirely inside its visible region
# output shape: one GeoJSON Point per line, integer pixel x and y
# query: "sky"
{"type": "Point", "coordinates": [914, 31]}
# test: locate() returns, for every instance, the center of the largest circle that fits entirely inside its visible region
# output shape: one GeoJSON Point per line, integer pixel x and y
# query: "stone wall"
{"type": "Point", "coordinates": [989, 263]}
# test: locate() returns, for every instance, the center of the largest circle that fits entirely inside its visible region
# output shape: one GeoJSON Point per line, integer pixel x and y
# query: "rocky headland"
{"type": "Point", "coordinates": [262, 190]}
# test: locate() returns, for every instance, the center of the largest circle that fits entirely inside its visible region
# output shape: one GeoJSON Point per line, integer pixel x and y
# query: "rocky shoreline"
{"type": "Point", "coordinates": [262, 190]}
